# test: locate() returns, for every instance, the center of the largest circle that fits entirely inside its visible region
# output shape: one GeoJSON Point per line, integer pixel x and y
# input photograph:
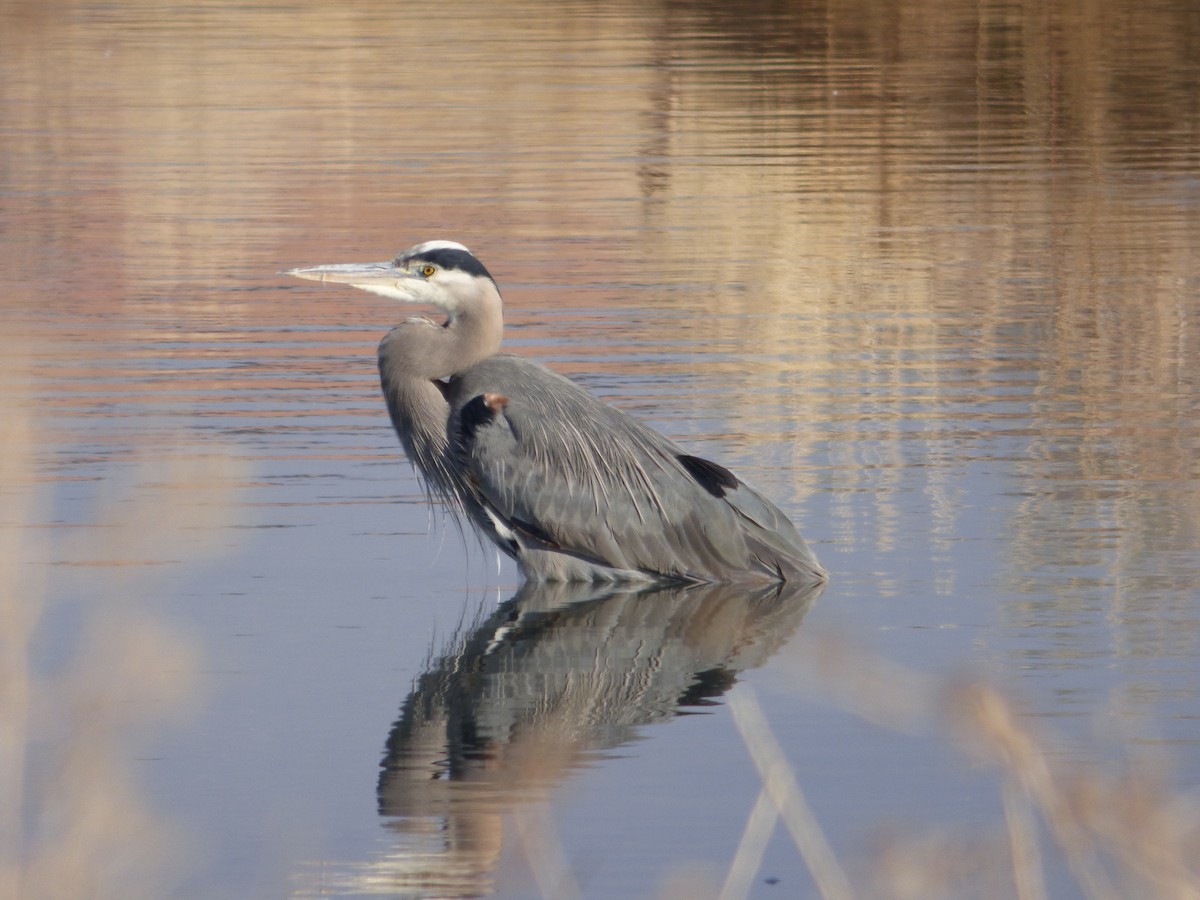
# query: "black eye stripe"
{"type": "Point", "coordinates": [448, 259]}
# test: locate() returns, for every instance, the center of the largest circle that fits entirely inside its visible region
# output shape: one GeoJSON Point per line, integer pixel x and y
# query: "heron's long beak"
{"type": "Point", "coordinates": [361, 275]}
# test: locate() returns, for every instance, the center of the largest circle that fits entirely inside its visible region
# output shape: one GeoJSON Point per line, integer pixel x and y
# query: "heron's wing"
{"type": "Point", "coordinates": [567, 473]}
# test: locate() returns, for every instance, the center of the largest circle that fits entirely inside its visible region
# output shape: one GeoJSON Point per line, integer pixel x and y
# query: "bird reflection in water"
{"type": "Point", "coordinates": [555, 677]}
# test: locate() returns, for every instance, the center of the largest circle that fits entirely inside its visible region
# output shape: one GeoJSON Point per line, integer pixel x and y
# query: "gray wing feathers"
{"type": "Point", "coordinates": [773, 540]}
{"type": "Point", "coordinates": [573, 475]}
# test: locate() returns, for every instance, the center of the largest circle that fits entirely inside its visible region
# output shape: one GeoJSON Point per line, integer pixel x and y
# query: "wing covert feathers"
{"type": "Point", "coordinates": [585, 488]}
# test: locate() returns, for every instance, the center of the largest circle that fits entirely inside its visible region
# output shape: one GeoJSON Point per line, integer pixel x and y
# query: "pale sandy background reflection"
{"type": "Point", "coordinates": [924, 273]}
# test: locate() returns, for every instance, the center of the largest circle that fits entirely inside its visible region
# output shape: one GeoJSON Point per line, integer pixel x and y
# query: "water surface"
{"type": "Point", "coordinates": [927, 277]}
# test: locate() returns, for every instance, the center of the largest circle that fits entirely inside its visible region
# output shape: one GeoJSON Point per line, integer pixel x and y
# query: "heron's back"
{"type": "Point", "coordinates": [578, 489]}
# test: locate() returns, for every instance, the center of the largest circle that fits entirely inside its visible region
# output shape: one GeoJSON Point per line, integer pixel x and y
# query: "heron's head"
{"type": "Point", "coordinates": [441, 273]}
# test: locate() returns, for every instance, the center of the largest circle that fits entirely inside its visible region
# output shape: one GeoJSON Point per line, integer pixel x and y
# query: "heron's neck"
{"type": "Point", "coordinates": [476, 332]}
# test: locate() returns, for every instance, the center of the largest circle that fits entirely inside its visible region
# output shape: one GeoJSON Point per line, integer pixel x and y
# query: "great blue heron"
{"type": "Point", "coordinates": [571, 488]}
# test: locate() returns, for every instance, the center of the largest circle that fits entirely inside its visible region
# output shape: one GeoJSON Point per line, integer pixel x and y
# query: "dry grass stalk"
{"type": "Point", "coordinates": [779, 783]}
{"type": "Point", "coordinates": [751, 848]}
{"type": "Point", "coordinates": [1124, 827]}
{"type": "Point", "coordinates": [981, 714]}
{"type": "Point", "coordinates": [544, 852]}
{"type": "Point", "coordinates": [1022, 838]}
{"type": "Point", "coordinates": [1123, 834]}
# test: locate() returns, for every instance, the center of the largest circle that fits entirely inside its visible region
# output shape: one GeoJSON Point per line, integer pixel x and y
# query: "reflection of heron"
{"type": "Point", "coordinates": [546, 682]}
{"type": "Point", "coordinates": [571, 488]}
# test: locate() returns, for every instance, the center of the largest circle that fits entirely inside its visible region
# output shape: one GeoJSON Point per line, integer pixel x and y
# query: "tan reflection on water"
{"type": "Point", "coordinates": [793, 167]}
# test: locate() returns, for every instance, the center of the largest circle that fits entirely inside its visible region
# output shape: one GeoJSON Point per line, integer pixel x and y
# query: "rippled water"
{"type": "Point", "coordinates": [926, 276]}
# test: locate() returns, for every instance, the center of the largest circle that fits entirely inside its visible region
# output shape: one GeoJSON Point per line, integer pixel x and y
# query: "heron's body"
{"type": "Point", "coordinates": [570, 487]}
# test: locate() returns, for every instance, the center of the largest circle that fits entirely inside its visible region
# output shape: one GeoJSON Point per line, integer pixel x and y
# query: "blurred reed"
{"type": "Point", "coordinates": [1120, 828]}
{"type": "Point", "coordinates": [74, 821]}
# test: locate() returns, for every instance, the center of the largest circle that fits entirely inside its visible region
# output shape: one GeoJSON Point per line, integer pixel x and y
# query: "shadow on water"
{"type": "Point", "coordinates": [547, 681]}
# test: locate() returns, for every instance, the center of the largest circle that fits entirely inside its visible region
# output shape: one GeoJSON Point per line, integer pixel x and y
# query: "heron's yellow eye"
{"type": "Point", "coordinates": [428, 271]}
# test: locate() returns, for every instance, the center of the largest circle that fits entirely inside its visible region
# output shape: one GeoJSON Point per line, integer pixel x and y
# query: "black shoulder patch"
{"type": "Point", "coordinates": [475, 414]}
{"type": "Point", "coordinates": [713, 478]}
